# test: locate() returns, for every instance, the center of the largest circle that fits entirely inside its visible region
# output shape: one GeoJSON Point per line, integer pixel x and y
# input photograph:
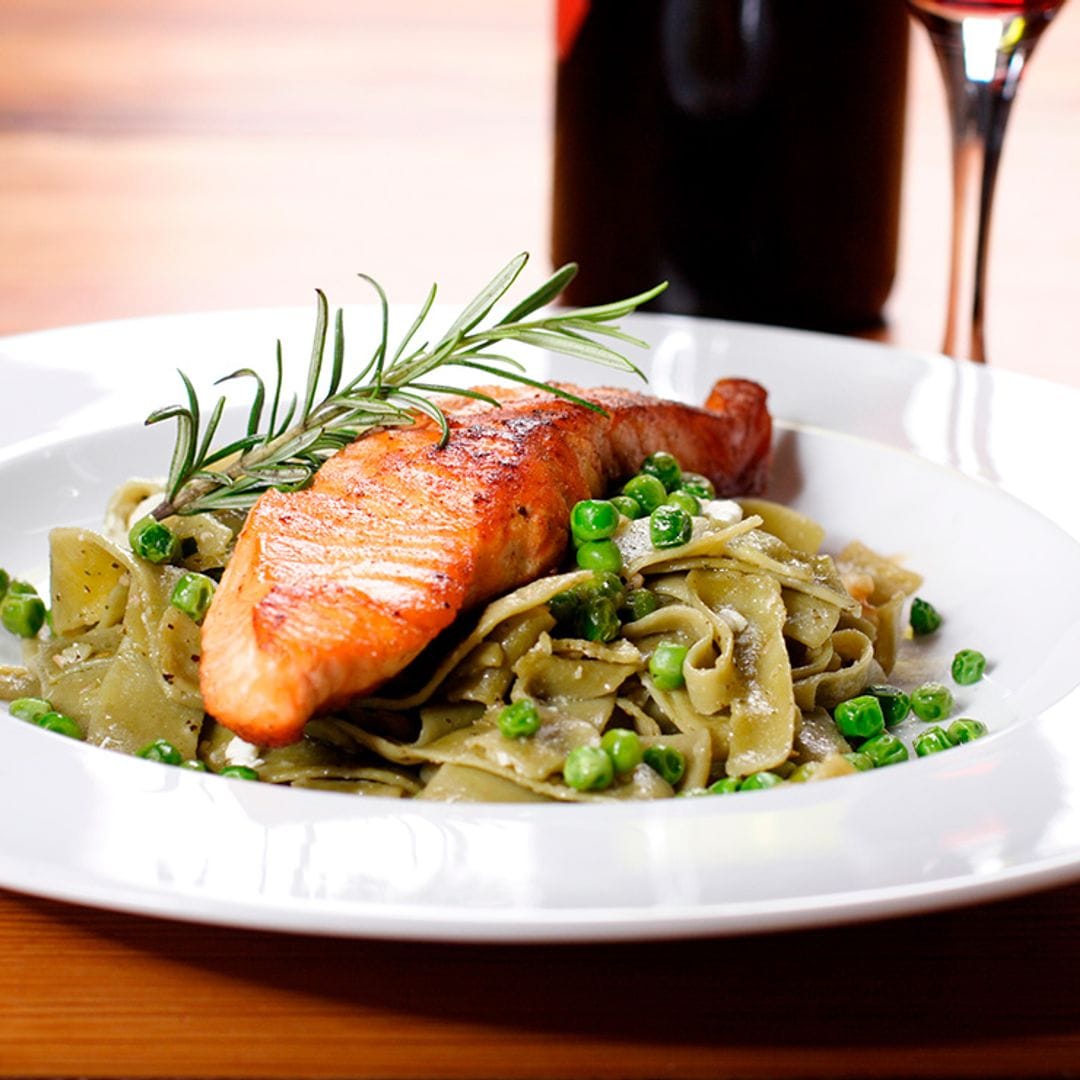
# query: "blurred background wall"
{"type": "Point", "coordinates": [221, 155]}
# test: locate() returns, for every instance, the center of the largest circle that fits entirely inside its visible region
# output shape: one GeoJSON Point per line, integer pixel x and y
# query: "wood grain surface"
{"type": "Point", "coordinates": [188, 155]}
{"type": "Point", "coordinates": [978, 992]}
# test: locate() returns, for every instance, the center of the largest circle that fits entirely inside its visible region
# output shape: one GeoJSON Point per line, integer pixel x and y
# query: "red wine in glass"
{"type": "Point", "coordinates": [982, 47]}
{"type": "Point", "coordinates": [982, 7]}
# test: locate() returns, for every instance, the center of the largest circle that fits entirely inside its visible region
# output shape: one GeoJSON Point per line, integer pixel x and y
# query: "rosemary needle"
{"type": "Point", "coordinates": [390, 390]}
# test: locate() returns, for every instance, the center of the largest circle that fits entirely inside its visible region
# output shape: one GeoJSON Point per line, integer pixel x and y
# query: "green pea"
{"type": "Point", "coordinates": [666, 665]}
{"type": "Point", "coordinates": [698, 485]}
{"type": "Point", "coordinates": [61, 723]}
{"type": "Point", "coordinates": [638, 603]}
{"type": "Point", "coordinates": [623, 747]}
{"type": "Point", "coordinates": [931, 741]}
{"type": "Point", "coordinates": [239, 772]}
{"type": "Point", "coordinates": [30, 709]}
{"type": "Point", "coordinates": [665, 467]}
{"type": "Point", "coordinates": [862, 762]}
{"type": "Point", "coordinates": [21, 588]}
{"type": "Point", "coordinates": [646, 490]}
{"type": "Point", "coordinates": [599, 620]}
{"type": "Point", "coordinates": [884, 749]}
{"type": "Point", "coordinates": [192, 594]}
{"type": "Point", "coordinates": [964, 730]}
{"type": "Point", "coordinates": [860, 717]}
{"type": "Point", "coordinates": [565, 606]}
{"type": "Point", "coordinates": [593, 519]}
{"type": "Point", "coordinates": [152, 541]}
{"type": "Point", "coordinates": [627, 506]}
{"type": "Point", "coordinates": [760, 781]}
{"type": "Point", "coordinates": [161, 750]}
{"type": "Point", "coordinates": [603, 584]}
{"type": "Point", "coordinates": [931, 701]}
{"type": "Point", "coordinates": [588, 768]}
{"type": "Point", "coordinates": [21, 613]}
{"type": "Point", "coordinates": [667, 761]}
{"type": "Point", "coordinates": [590, 610]}
{"type": "Point", "coordinates": [5, 581]}
{"type": "Point", "coordinates": [690, 503]}
{"type": "Point", "coordinates": [804, 772]}
{"type": "Point", "coordinates": [726, 785]}
{"type": "Point", "coordinates": [520, 719]}
{"type": "Point", "coordinates": [968, 666]}
{"type": "Point", "coordinates": [895, 704]}
{"type": "Point", "coordinates": [599, 555]}
{"type": "Point", "coordinates": [194, 765]}
{"type": "Point", "coordinates": [670, 526]}
{"type": "Point", "coordinates": [924, 617]}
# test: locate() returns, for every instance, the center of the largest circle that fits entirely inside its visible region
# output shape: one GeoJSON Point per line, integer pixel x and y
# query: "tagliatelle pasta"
{"type": "Point", "coordinates": [775, 634]}
{"type": "Point", "coordinates": [121, 660]}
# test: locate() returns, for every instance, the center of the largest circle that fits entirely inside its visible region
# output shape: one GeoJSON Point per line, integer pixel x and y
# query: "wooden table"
{"type": "Point", "coordinates": [189, 155]}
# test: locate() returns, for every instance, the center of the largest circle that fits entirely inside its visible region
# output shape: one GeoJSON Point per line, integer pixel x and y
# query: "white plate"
{"type": "Point", "coordinates": [955, 468]}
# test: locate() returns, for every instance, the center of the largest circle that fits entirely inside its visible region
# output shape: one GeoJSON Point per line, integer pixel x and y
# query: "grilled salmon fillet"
{"type": "Point", "coordinates": [335, 589]}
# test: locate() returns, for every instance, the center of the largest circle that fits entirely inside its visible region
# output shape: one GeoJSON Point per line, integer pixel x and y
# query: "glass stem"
{"type": "Point", "coordinates": [982, 58]}
{"type": "Point", "coordinates": [978, 129]}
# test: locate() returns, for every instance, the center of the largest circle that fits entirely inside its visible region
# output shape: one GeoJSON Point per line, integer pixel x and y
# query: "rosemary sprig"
{"type": "Point", "coordinates": [390, 390]}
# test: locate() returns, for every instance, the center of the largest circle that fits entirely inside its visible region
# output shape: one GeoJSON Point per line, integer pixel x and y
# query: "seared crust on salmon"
{"type": "Point", "coordinates": [333, 590]}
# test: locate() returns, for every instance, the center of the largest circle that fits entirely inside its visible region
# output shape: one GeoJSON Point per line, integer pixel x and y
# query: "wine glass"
{"type": "Point", "coordinates": [982, 47]}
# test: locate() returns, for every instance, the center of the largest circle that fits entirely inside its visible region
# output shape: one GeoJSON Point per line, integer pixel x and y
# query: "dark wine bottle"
{"type": "Point", "coordinates": [747, 151]}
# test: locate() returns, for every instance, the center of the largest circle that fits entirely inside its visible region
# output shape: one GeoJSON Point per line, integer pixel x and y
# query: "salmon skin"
{"type": "Point", "coordinates": [333, 590]}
